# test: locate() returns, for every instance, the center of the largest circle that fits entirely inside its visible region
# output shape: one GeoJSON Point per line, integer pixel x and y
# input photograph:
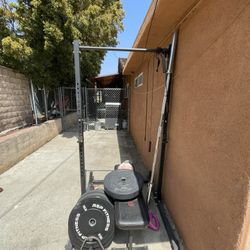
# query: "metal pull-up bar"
{"type": "Point", "coordinates": [149, 50]}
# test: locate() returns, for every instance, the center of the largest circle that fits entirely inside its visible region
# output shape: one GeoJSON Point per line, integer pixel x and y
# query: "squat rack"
{"type": "Point", "coordinates": [77, 49]}
{"type": "Point", "coordinates": [168, 58]}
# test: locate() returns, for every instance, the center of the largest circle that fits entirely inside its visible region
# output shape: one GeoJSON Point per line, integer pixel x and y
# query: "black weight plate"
{"type": "Point", "coordinates": [93, 215]}
{"type": "Point", "coordinates": [123, 185]}
{"type": "Point", "coordinates": [96, 215]}
{"type": "Point", "coordinates": [107, 240]}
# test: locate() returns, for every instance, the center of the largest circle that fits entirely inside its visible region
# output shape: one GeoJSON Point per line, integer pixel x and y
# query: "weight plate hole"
{"type": "Point", "coordinates": [92, 222]}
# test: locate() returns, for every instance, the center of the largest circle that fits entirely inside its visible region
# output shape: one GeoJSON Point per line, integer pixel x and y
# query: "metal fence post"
{"type": "Point", "coordinates": [33, 101]}
{"type": "Point", "coordinates": [86, 106]}
{"type": "Point", "coordinates": [60, 101]}
{"type": "Point", "coordinates": [63, 103]}
{"type": "Point", "coordinates": [45, 103]}
{"type": "Point", "coordinates": [79, 114]}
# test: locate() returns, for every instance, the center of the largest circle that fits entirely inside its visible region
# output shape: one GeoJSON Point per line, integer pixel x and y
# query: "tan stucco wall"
{"type": "Point", "coordinates": [145, 103]}
{"type": "Point", "coordinates": [206, 177]}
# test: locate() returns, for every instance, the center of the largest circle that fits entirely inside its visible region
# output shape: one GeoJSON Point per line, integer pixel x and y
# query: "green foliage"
{"type": "Point", "coordinates": [36, 36]}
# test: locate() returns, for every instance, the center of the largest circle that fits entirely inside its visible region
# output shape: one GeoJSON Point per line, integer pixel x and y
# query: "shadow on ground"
{"type": "Point", "coordinates": [41, 190]}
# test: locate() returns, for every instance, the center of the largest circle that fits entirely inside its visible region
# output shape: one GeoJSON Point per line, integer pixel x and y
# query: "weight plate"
{"type": "Point", "coordinates": [93, 218]}
{"type": "Point", "coordinates": [107, 240]}
{"type": "Point", "coordinates": [93, 215]}
{"type": "Point", "coordinates": [123, 185]}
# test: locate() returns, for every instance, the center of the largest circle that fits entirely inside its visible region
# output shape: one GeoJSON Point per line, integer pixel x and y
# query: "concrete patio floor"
{"type": "Point", "coordinates": [40, 191]}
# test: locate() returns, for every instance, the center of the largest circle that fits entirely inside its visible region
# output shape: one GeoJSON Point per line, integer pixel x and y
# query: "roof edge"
{"type": "Point", "coordinates": [144, 25]}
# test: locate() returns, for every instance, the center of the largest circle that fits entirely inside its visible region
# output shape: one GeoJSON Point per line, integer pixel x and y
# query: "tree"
{"type": "Point", "coordinates": [36, 36]}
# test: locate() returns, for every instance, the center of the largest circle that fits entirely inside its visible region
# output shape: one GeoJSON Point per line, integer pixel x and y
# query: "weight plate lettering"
{"type": "Point", "coordinates": [93, 215]}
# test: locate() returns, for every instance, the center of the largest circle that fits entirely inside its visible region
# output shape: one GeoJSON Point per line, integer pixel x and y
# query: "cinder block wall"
{"type": "Point", "coordinates": [15, 107]}
{"type": "Point", "coordinates": [16, 146]}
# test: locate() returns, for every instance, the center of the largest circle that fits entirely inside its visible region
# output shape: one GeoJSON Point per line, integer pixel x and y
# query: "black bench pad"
{"type": "Point", "coordinates": [131, 215]}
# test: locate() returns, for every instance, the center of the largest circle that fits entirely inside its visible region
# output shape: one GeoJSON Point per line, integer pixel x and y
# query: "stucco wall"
{"type": "Point", "coordinates": [15, 108]}
{"type": "Point", "coordinates": [206, 175]}
{"type": "Point", "coordinates": [145, 107]}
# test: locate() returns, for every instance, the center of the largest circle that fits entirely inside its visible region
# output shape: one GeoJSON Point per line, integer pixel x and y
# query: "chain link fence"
{"type": "Point", "coordinates": [55, 103]}
{"type": "Point", "coordinates": [105, 108]}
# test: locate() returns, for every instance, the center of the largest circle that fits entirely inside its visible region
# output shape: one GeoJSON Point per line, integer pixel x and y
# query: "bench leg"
{"type": "Point", "coordinates": [130, 242]}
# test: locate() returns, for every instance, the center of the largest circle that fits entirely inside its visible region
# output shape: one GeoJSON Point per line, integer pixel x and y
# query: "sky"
{"type": "Point", "coordinates": [135, 11]}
